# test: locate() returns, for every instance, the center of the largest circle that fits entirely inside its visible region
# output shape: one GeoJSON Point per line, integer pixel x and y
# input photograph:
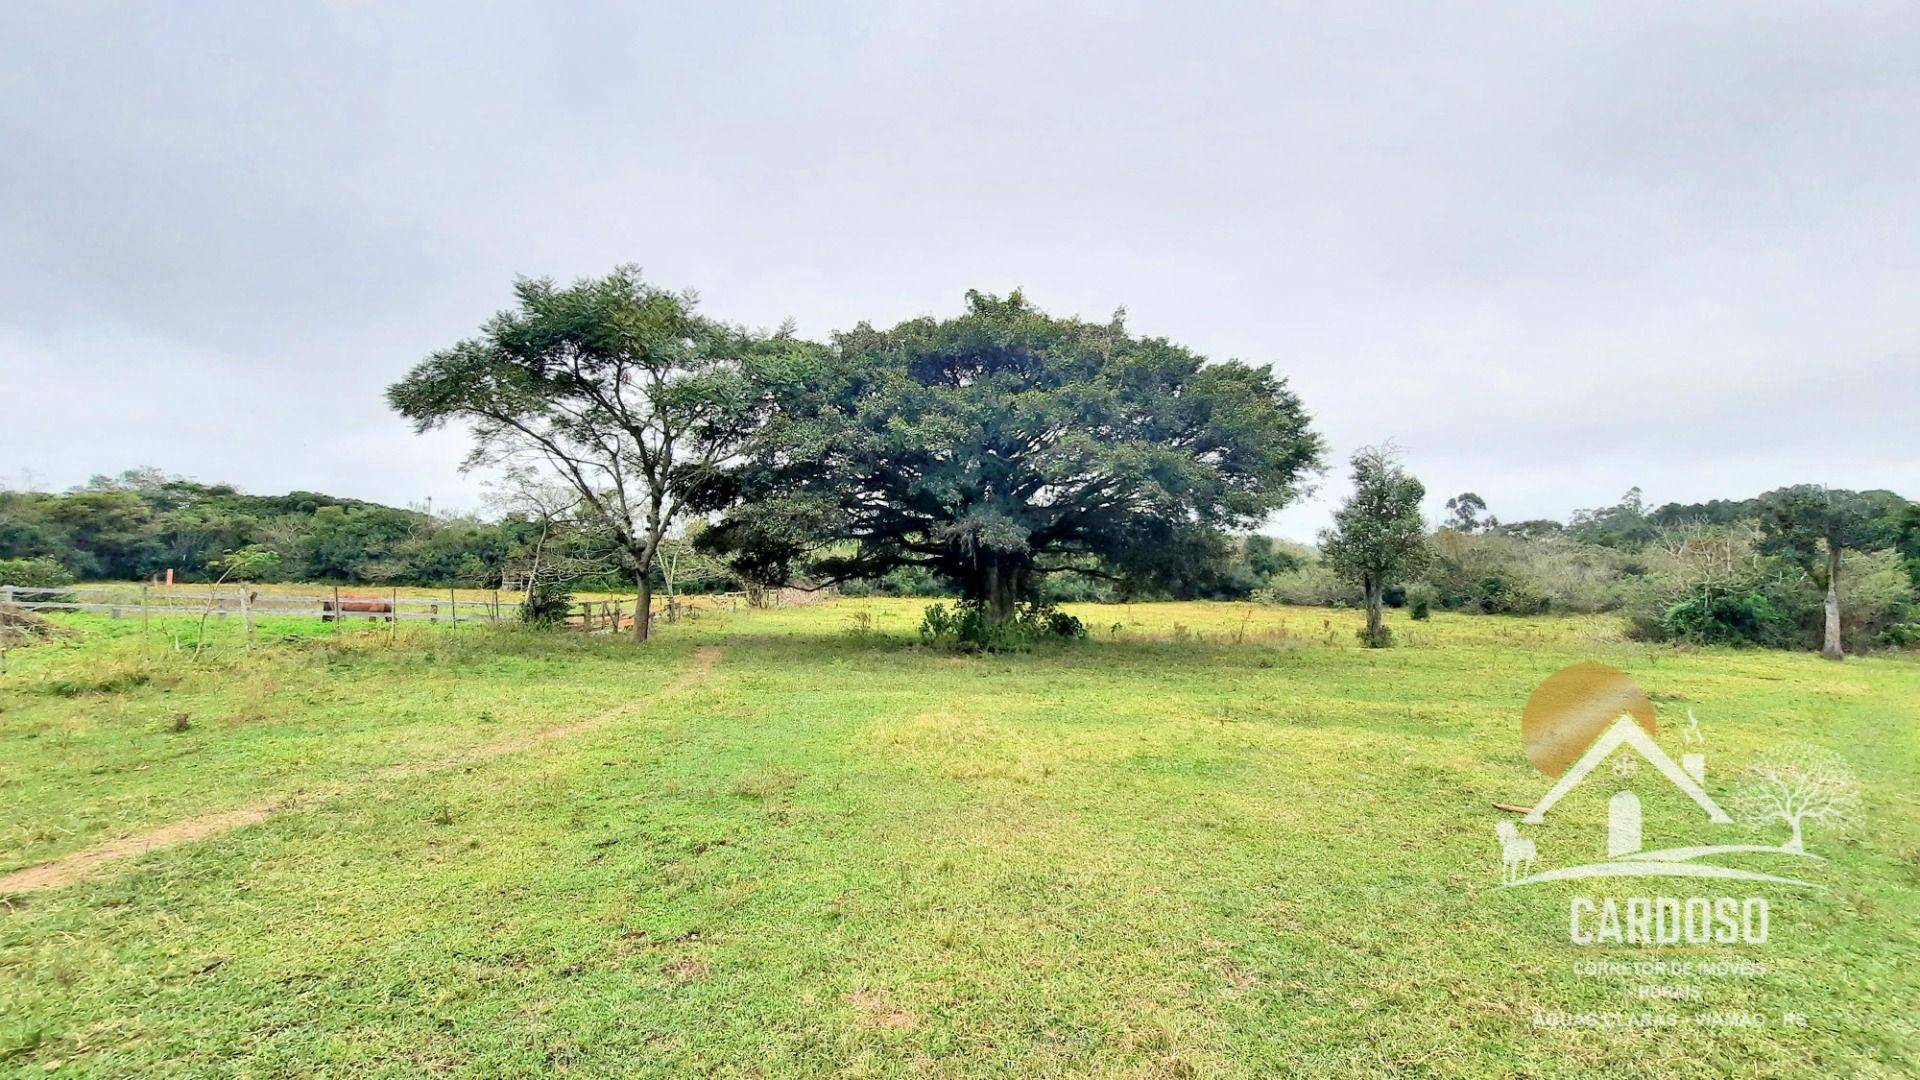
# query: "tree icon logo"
{"type": "Point", "coordinates": [1798, 784]}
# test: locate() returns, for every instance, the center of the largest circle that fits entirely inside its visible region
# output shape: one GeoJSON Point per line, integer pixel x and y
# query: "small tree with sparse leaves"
{"type": "Point", "coordinates": [1378, 538]}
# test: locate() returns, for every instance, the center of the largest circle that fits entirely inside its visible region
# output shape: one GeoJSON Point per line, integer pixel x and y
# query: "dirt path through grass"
{"type": "Point", "coordinates": [101, 858]}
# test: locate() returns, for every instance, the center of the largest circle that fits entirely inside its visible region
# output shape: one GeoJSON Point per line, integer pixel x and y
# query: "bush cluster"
{"type": "Point", "coordinates": [1725, 615]}
{"type": "Point", "coordinates": [965, 626]}
{"type": "Point", "coordinates": [548, 603]}
{"type": "Point", "coordinates": [1420, 602]}
{"type": "Point", "coordinates": [1755, 600]}
{"type": "Point", "coordinates": [34, 573]}
{"type": "Point", "coordinates": [1690, 582]}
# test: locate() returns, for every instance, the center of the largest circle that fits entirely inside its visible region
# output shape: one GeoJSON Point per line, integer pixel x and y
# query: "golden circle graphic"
{"type": "Point", "coordinates": [1572, 707]}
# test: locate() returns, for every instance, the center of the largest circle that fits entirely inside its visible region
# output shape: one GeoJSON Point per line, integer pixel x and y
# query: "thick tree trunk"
{"type": "Point", "coordinates": [1374, 624]}
{"type": "Point", "coordinates": [999, 588]}
{"type": "Point", "coordinates": [1831, 650]}
{"type": "Point", "coordinates": [643, 609]}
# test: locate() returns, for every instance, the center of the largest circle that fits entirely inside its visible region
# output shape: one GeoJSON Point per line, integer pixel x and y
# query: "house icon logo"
{"type": "Point", "coordinates": [1591, 715]}
{"type": "Point", "coordinates": [1623, 809]}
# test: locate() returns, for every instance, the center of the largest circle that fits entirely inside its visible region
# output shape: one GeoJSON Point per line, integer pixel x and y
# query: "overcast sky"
{"type": "Point", "coordinates": [1552, 252]}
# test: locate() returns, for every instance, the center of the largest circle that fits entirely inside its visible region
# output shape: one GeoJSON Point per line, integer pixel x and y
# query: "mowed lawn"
{"type": "Point", "coordinates": [1214, 839]}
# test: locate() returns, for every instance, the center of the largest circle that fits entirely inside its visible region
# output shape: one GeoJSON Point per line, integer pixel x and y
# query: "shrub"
{"type": "Point", "coordinates": [1902, 635]}
{"type": "Point", "coordinates": [1075, 589]}
{"type": "Point", "coordinates": [1727, 615]}
{"type": "Point", "coordinates": [965, 626]}
{"type": "Point", "coordinates": [37, 573]}
{"type": "Point", "coordinates": [1512, 575]}
{"type": "Point", "coordinates": [1878, 608]}
{"type": "Point", "coordinates": [1420, 602]}
{"type": "Point", "coordinates": [1504, 592]}
{"type": "Point", "coordinates": [902, 581]}
{"type": "Point", "coordinates": [1765, 601]}
{"type": "Point", "coordinates": [548, 604]}
{"type": "Point", "coordinates": [1310, 583]}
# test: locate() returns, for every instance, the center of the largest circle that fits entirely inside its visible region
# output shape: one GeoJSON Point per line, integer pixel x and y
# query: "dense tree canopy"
{"type": "Point", "coordinates": [1005, 445]}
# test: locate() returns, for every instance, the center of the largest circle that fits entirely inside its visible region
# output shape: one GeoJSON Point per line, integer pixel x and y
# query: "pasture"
{"type": "Point", "coordinates": [1214, 839]}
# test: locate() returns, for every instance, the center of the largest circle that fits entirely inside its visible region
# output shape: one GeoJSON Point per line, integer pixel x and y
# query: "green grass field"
{"type": "Point", "coordinates": [1212, 840]}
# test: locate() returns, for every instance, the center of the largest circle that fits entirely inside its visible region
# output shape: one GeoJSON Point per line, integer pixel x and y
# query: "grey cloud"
{"type": "Point", "coordinates": [1553, 251]}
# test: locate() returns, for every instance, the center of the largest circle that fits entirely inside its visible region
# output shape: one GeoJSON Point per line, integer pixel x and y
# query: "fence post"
{"type": "Point", "coordinates": [246, 610]}
{"type": "Point", "coordinates": [453, 602]}
{"type": "Point", "coordinates": [496, 605]}
{"type": "Point", "coordinates": [6, 595]}
{"type": "Point", "coordinates": [393, 615]}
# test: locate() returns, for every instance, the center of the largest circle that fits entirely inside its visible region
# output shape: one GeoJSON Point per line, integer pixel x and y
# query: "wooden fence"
{"type": "Point", "coordinates": [146, 601]}
{"type": "Point", "coordinates": [221, 602]}
{"type": "Point", "coordinates": [140, 600]}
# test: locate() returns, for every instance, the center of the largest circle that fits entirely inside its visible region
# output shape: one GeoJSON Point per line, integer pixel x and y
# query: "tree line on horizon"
{"type": "Point", "coordinates": [1693, 572]}
{"type": "Point", "coordinates": [1005, 455]}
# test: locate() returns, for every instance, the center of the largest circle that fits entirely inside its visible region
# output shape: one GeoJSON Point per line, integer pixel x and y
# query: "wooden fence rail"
{"type": "Point", "coordinates": [127, 600]}
{"type": "Point", "coordinates": [222, 602]}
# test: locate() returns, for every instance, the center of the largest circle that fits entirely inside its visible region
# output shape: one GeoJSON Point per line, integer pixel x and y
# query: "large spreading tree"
{"type": "Point", "coordinates": [1005, 445]}
{"type": "Point", "coordinates": [612, 386]}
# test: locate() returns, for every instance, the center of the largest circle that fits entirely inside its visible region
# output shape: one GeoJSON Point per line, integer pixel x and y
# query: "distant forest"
{"type": "Point", "coordinates": [1681, 571]}
{"type": "Point", "coordinates": [143, 523]}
